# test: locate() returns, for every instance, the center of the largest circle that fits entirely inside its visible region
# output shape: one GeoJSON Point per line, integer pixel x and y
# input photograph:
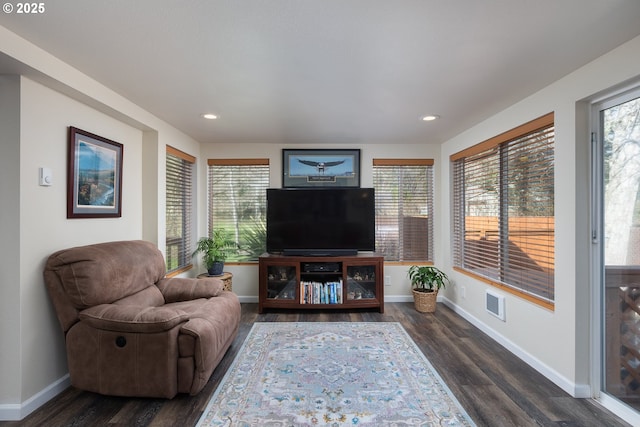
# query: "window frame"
{"type": "Point", "coordinates": [497, 145]}
{"type": "Point", "coordinates": [188, 223]}
{"type": "Point", "coordinates": [232, 162]}
{"type": "Point", "coordinates": [429, 164]}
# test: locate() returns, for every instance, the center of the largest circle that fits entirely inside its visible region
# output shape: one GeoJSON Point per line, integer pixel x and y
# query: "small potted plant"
{"type": "Point", "coordinates": [215, 250]}
{"type": "Point", "coordinates": [426, 281]}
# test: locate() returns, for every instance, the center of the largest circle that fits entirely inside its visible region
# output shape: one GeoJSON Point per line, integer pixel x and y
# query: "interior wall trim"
{"type": "Point", "coordinates": [18, 411]}
{"type": "Point", "coordinates": [575, 390]}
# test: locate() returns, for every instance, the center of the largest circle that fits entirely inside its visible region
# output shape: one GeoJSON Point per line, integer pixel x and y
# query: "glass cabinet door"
{"type": "Point", "coordinates": [361, 282]}
{"type": "Point", "coordinates": [281, 282]}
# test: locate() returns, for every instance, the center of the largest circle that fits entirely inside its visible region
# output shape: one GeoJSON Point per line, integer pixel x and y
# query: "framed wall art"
{"type": "Point", "coordinates": [94, 176]}
{"type": "Point", "coordinates": [320, 168]}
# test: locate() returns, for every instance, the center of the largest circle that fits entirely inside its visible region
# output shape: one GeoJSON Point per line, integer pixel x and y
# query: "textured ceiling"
{"type": "Point", "coordinates": [326, 71]}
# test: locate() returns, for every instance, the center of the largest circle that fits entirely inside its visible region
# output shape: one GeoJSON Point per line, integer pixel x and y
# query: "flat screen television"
{"type": "Point", "coordinates": [320, 221]}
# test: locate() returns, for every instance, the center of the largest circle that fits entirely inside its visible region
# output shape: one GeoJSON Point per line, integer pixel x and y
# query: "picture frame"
{"type": "Point", "coordinates": [320, 168]}
{"type": "Point", "coordinates": [94, 176]}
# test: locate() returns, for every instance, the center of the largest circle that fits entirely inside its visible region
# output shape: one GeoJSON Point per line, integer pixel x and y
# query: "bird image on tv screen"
{"type": "Point", "coordinates": [321, 166]}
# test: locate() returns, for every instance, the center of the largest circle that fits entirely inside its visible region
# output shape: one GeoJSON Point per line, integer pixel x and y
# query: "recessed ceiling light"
{"type": "Point", "coordinates": [210, 116]}
{"type": "Point", "coordinates": [429, 118]}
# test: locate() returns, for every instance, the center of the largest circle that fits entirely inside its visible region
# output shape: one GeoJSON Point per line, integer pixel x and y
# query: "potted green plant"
{"type": "Point", "coordinates": [215, 250]}
{"type": "Point", "coordinates": [426, 281]}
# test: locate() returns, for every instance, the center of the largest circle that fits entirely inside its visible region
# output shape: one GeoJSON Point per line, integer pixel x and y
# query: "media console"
{"type": "Point", "coordinates": [319, 282]}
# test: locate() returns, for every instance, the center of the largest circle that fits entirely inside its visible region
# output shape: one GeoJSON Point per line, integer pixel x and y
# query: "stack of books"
{"type": "Point", "coordinates": [321, 292]}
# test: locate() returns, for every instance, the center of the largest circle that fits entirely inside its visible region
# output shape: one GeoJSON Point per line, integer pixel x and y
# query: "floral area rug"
{"type": "Point", "coordinates": [332, 374]}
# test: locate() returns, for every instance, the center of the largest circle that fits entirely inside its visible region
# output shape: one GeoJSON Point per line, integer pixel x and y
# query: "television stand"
{"type": "Point", "coordinates": [321, 282]}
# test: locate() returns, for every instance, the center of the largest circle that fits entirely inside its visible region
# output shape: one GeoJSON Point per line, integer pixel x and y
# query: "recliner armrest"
{"type": "Point", "coordinates": [132, 318]}
{"type": "Point", "coordinates": [178, 289]}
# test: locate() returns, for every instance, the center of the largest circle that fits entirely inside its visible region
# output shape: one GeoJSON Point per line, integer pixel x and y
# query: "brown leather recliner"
{"type": "Point", "coordinates": [129, 331]}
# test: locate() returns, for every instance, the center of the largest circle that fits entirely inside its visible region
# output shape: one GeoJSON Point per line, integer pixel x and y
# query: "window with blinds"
{"type": "Point", "coordinates": [503, 210]}
{"type": "Point", "coordinates": [238, 203]}
{"type": "Point", "coordinates": [179, 210]}
{"type": "Point", "coordinates": [404, 209]}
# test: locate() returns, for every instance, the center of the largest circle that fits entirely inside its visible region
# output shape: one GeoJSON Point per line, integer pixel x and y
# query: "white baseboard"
{"type": "Point", "coordinates": [575, 390]}
{"type": "Point", "coordinates": [10, 412]}
{"type": "Point", "coordinates": [387, 298]}
{"type": "Point", "coordinates": [398, 298]}
{"type": "Point", "coordinates": [18, 411]}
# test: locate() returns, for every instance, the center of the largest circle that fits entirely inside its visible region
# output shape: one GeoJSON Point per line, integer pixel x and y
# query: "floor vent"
{"type": "Point", "coordinates": [495, 304]}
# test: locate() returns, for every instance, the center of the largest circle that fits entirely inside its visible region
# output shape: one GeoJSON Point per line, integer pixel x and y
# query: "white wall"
{"type": "Point", "coordinates": [35, 113]}
{"type": "Point", "coordinates": [44, 227]}
{"type": "Point", "coordinates": [556, 342]}
{"type": "Point", "coordinates": [10, 241]}
{"type": "Point", "coordinates": [245, 277]}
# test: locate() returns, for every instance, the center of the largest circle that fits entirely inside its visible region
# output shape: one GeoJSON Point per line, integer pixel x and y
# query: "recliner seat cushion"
{"type": "Point", "coordinates": [132, 318]}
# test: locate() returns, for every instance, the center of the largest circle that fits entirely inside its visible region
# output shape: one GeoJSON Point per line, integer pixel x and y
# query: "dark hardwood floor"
{"type": "Point", "coordinates": [494, 386]}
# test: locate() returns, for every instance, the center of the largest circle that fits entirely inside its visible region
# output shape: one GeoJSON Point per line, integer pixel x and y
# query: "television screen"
{"type": "Point", "coordinates": [320, 221]}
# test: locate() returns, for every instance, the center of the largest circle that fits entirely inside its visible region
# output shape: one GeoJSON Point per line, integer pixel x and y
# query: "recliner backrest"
{"type": "Point", "coordinates": [86, 276]}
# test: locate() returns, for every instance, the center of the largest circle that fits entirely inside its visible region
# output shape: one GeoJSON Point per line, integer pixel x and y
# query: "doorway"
{"type": "Point", "coordinates": [616, 235]}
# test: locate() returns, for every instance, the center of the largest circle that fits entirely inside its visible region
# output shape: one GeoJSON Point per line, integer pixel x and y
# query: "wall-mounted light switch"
{"type": "Point", "coordinates": [46, 177]}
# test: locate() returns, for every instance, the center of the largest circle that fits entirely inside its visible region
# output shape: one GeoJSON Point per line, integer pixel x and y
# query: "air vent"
{"type": "Point", "coordinates": [495, 304]}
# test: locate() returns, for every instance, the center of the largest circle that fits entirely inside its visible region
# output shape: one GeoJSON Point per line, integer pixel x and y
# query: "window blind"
{"type": "Point", "coordinates": [237, 203]}
{"type": "Point", "coordinates": [179, 208]}
{"type": "Point", "coordinates": [404, 209]}
{"type": "Point", "coordinates": [503, 210]}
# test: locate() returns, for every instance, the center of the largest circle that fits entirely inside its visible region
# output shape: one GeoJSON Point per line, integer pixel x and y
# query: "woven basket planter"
{"type": "Point", "coordinates": [425, 302]}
